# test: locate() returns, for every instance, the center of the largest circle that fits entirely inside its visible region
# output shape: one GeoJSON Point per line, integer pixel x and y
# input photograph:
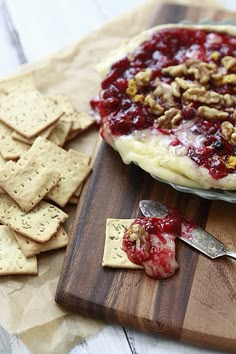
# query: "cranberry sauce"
{"type": "Point", "coordinates": [150, 242]}
{"type": "Point", "coordinates": [122, 114]}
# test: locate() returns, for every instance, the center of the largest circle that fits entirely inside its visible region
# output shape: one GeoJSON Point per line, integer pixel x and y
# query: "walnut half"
{"type": "Point", "coordinates": [229, 132]}
{"type": "Point", "coordinates": [211, 113]}
{"type": "Point", "coordinates": [170, 119]}
{"type": "Point", "coordinates": [200, 94]}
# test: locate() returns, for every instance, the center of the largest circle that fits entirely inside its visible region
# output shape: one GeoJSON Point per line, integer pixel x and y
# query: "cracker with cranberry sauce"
{"type": "Point", "coordinates": [114, 256]}
{"type": "Point", "coordinates": [147, 243]}
{"type": "Point", "coordinates": [167, 103]}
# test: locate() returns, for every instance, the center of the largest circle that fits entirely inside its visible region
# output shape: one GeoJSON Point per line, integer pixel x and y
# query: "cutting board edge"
{"type": "Point", "coordinates": [143, 325]}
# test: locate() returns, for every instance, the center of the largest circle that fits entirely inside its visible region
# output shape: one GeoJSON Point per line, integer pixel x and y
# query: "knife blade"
{"type": "Point", "coordinates": [193, 234]}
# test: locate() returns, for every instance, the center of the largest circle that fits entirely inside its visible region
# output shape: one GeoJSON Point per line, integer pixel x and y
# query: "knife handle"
{"type": "Point", "coordinates": [231, 254]}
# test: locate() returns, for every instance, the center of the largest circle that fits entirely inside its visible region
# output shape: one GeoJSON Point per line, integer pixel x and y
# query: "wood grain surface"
{"type": "Point", "coordinates": [198, 304]}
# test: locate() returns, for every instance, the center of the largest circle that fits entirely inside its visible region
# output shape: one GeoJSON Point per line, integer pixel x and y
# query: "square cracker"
{"type": "Point", "coordinates": [60, 132]}
{"type": "Point", "coordinates": [113, 255]}
{"type": "Point", "coordinates": [5, 203]}
{"type": "Point", "coordinates": [2, 161]}
{"type": "Point", "coordinates": [74, 199]}
{"type": "Point", "coordinates": [10, 149]}
{"type": "Point", "coordinates": [31, 248]}
{"type": "Point", "coordinates": [27, 181]}
{"type": "Point", "coordinates": [39, 224]}
{"type": "Point", "coordinates": [72, 170]}
{"type": "Point", "coordinates": [79, 120]}
{"type": "Point", "coordinates": [85, 159]}
{"type": "Point", "coordinates": [22, 83]}
{"type": "Point", "coordinates": [44, 134]}
{"type": "Point", "coordinates": [28, 112]}
{"type": "Point", "coordinates": [79, 155]}
{"type": "Point", "coordinates": [12, 259]}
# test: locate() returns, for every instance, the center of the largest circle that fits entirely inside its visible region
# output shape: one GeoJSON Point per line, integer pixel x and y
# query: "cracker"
{"type": "Point", "coordinates": [39, 224]}
{"type": "Point", "coordinates": [60, 132]}
{"type": "Point", "coordinates": [78, 191]}
{"type": "Point", "coordinates": [44, 134]}
{"type": "Point", "coordinates": [22, 83]}
{"type": "Point", "coordinates": [86, 159]}
{"type": "Point", "coordinates": [72, 170]}
{"type": "Point", "coordinates": [74, 199]}
{"type": "Point", "coordinates": [80, 120]}
{"type": "Point", "coordinates": [113, 255]}
{"type": "Point", "coordinates": [27, 181]}
{"type": "Point", "coordinates": [83, 123]}
{"type": "Point", "coordinates": [5, 203]}
{"type": "Point", "coordinates": [31, 248]}
{"type": "Point", "coordinates": [9, 148]}
{"type": "Point", "coordinates": [12, 259]}
{"type": "Point", "coordinates": [28, 112]}
{"type": "Point", "coordinates": [2, 161]}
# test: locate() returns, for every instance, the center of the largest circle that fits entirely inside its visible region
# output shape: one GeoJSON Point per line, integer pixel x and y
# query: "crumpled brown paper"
{"type": "Point", "coordinates": [27, 303]}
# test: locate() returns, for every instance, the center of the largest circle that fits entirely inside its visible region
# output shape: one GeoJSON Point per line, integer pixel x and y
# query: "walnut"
{"type": "Point", "coordinates": [229, 100]}
{"type": "Point", "coordinates": [233, 138]}
{"type": "Point", "coordinates": [200, 94]}
{"type": "Point", "coordinates": [184, 84]}
{"type": "Point", "coordinates": [218, 76]}
{"type": "Point", "coordinates": [169, 119]}
{"type": "Point", "coordinates": [137, 232]}
{"type": "Point", "coordinates": [229, 63]}
{"type": "Point", "coordinates": [200, 70]}
{"type": "Point", "coordinates": [227, 129]}
{"type": "Point", "coordinates": [132, 88]}
{"type": "Point", "coordinates": [158, 91]}
{"type": "Point", "coordinates": [175, 70]}
{"type": "Point", "coordinates": [231, 162]}
{"type": "Point", "coordinates": [164, 90]}
{"type": "Point", "coordinates": [229, 132]}
{"type": "Point", "coordinates": [154, 107]}
{"type": "Point", "coordinates": [215, 56]}
{"type": "Point", "coordinates": [229, 79]}
{"type": "Point", "coordinates": [175, 89]}
{"type": "Point", "coordinates": [143, 77]}
{"type": "Point", "coordinates": [211, 113]}
{"type": "Point", "coordinates": [139, 98]}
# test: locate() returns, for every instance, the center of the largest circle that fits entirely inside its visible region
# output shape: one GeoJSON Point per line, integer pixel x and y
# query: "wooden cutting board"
{"type": "Point", "coordinates": [198, 304]}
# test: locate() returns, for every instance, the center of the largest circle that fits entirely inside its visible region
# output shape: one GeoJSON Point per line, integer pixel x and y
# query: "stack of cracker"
{"type": "Point", "coordinates": [37, 176]}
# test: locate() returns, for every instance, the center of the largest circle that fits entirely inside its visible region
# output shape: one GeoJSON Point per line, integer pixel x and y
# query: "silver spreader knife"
{"type": "Point", "coordinates": [197, 237]}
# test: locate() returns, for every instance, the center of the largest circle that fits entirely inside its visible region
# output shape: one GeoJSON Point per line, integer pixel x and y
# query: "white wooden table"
{"type": "Point", "coordinates": [30, 30]}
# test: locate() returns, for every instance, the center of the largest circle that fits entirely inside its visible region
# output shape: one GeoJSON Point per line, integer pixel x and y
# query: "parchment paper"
{"type": "Point", "coordinates": [27, 303]}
